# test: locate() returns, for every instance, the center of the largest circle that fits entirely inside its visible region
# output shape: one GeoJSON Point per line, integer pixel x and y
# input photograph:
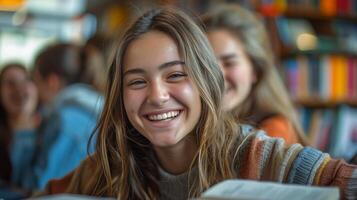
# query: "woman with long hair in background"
{"type": "Point", "coordinates": [254, 91]}
{"type": "Point", "coordinates": [18, 110]}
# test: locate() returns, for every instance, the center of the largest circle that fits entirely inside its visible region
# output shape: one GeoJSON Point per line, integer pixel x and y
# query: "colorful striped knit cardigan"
{"type": "Point", "coordinates": [260, 158]}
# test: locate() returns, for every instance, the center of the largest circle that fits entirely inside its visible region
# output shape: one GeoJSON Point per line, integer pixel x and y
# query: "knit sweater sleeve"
{"type": "Point", "coordinates": [266, 158]}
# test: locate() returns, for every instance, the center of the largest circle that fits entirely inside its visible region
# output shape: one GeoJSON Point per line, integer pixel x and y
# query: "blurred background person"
{"type": "Point", "coordinates": [70, 108]}
{"type": "Point", "coordinates": [18, 103]}
{"type": "Point", "coordinates": [95, 56]}
{"type": "Point", "coordinates": [254, 91]}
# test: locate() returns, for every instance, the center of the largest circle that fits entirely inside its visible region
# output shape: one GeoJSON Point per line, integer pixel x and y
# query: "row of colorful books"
{"type": "Point", "coordinates": [332, 130]}
{"type": "Point", "coordinates": [327, 77]}
{"type": "Point", "coordinates": [323, 7]}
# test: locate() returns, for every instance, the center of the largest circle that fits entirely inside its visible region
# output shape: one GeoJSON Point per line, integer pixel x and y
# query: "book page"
{"type": "Point", "coordinates": [249, 190]}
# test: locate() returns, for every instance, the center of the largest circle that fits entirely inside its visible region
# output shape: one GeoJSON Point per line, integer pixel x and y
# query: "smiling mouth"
{"type": "Point", "coordinates": [164, 116]}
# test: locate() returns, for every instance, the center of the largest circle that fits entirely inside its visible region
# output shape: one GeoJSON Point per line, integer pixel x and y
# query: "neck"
{"type": "Point", "coordinates": [177, 159]}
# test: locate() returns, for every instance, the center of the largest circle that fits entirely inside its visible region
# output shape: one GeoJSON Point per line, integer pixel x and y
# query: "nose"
{"type": "Point", "coordinates": [17, 85]}
{"type": "Point", "coordinates": [21, 88]}
{"type": "Point", "coordinates": [158, 94]}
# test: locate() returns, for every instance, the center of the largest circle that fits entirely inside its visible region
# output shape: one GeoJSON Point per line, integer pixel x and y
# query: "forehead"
{"type": "Point", "coordinates": [151, 49]}
{"type": "Point", "coordinates": [14, 72]}
{"type": "Point", "coordinates": [223, 41]}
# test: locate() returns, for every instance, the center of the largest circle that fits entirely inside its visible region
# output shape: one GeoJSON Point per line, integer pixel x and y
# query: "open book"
{"type": "Point", "coordinates": [254, 190]}
{"type": "Point", "coordinates": [243, 189]}
{"type": "Point", "coordinates": [70, 197]}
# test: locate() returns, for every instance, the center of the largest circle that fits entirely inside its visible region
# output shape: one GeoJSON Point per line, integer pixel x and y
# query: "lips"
{"type": "Point", "coordinates": [162, 120]}
{"type": "Point", "coordinates": [163, 116]}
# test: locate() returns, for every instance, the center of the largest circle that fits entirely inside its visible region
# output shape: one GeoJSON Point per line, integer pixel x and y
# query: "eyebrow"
{"type": "Point", "coordinates": [227, 56]}
{"type": "Point", "coordinates": [161, 67]}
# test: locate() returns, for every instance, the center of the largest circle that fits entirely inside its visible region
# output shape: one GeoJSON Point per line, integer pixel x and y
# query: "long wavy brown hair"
{"type": "Point", "coordinates": [126, 164]}
{"type": "Point", "coordinates": [268, 95]}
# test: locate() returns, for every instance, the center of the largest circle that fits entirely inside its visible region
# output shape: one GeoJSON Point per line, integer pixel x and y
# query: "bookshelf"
{"type": "Point", "coordinates": [315, 45]}
{"type": "Point", "coordinates": [321, 103]}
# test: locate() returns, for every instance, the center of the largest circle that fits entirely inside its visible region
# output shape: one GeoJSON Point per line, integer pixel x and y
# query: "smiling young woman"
{"type": "Point", "coordinates": [160, 100]}
{"type": "Point", "coordinates": [164, 135]}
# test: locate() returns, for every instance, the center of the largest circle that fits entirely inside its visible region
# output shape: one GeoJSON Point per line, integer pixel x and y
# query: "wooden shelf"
{"type": "Point", "coordinates": [313, 14]}
{"type": "Point", "coordinates": [11, 5]}
{"type": "Point", "coordinates": [287, 52]}
{"type": "Point", "coordinates": [324, 103]}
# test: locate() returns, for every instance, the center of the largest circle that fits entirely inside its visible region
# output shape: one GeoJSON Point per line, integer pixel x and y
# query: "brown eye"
{"type": "Point", "coordinates": [176, 76]}
{"type": "Point", "coordinates": [136, 84]}
{"type": "Point", "coordinates": [230, 63]}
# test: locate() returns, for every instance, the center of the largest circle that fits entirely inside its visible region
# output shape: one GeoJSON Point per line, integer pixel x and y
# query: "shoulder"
{"type": "Point", "coordinates": [253, 132]}
{"type": "Point", "coordinates": [256, 141]}
{"type": "Point", "coordinates": [70, 116]}
{"type": "Point", "coordinates": [268, 158]}
{"type": "Point", "coordinates": [279, 126]}
{"type": "Point", "coordinates": [85, 175]}
{"type": "Point", "coordinates": [263, 157]}
{"type": "Point", "coordinates": [275, 121]}
{"type": "Point", "coordinates": [72, 110]}
{"type": "Point", "coordinates": [81, 96]}
{"type": "Point", "coordinates": [74, 182]}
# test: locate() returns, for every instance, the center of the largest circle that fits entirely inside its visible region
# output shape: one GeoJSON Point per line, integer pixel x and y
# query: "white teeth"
{"type": "Point", "coordinates": [163, 116]}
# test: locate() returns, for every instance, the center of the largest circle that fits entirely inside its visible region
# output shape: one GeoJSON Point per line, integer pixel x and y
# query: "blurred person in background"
{"type": "Point", "coordinates": [18, 103]}
{"type": "Point", "coordinates": [95, 52]}
{"type": "Point", "coordinates": [70, 110]}
{"type": "Point", "coordinates": [254, 91]}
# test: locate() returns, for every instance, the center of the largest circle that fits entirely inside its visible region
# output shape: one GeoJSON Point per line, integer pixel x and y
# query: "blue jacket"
{"type": "Point", "coordinates": [60, 143]}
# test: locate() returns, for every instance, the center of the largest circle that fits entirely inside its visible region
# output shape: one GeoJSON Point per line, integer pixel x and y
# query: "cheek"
{"type": "Point", "coordinates": [188, 95]}
{"type": "Point", "coordinates": [234, 75]}
{"type": "Point", "coordinates": [241, 75]}
{"type": "Point", "coordinates": [32, 90]}
{"type": "Point", "coordinates": [7, 101]}
{"type": "Point", "coordinates": [6, 94]}
{"type": "Point", "coordinates": [132, 101]}
{"type": "Point", "coordinates": [3, 97]}
{"type": "Point", "coordinates": [127, 98]}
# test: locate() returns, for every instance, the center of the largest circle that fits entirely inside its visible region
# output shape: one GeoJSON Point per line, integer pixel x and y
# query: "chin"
{"type": "Point", "coordinates": [164, 144]}
{"type": "Point", "coordinates": [164, 141]}
{"type": "Point", "coordinates": [167, 140]}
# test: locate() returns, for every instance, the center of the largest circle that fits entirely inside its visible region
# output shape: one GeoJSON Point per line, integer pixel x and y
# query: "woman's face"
{"type": "Point", "coordinates": [237, 68]}
{"type": "Point", "coordinates": [160, 100]}
{"type": "Point", "coordinates": [18, 92]}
